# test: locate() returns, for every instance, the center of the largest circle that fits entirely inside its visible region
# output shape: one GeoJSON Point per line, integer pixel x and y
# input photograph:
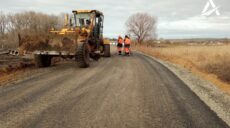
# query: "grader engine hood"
{"type": "Point", "coordinates": [74, 34]}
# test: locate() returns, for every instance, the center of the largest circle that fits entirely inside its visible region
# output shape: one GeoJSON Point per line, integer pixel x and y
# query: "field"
{"type": "Point", "coordinates": [210, 62]}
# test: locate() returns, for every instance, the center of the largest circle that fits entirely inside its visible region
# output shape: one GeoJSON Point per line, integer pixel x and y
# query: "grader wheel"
{"type": "Point", "coordinates": [83, 56]}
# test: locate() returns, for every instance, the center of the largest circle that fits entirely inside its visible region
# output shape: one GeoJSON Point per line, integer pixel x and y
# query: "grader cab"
{"type": "Point", "coordinates": [80, 38]}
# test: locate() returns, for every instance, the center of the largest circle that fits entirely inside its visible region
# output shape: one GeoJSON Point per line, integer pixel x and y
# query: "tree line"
{"type": "Point", "coordinates": [26, 23]}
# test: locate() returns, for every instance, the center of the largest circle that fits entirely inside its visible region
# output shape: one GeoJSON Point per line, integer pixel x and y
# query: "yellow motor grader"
{"type": "Point", "coordinates": [81, 38]}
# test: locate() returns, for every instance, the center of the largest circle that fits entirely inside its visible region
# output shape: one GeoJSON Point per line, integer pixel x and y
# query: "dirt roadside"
{"type": "Point", "coordinates": [14, 67]}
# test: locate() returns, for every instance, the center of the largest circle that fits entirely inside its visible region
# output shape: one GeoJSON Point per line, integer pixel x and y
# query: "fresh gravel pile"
{"type": "Point", "coordinates": [215, 98]}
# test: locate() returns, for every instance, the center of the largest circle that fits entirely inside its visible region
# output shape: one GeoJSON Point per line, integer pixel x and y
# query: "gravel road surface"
{"type": "Point", "coordinates": [116, 92]}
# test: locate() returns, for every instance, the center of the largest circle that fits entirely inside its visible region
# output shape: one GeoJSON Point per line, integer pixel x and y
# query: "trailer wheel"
{"type": "Point", "coordinates": [107, 50]}
{"type": "Point", "coordinates": [82, 56]}
{"type": "Point", "coordinates": [42, 60]}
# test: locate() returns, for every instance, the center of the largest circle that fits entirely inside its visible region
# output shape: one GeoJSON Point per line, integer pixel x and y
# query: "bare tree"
{"type": "Point", "coordinates": [25, 23]}
{"type": "Point", "coordinates": [142, 26]}
{"type": "Point", "coordinates": [31, 22]}
{"type": "Point", "coordinates": [3, 24]}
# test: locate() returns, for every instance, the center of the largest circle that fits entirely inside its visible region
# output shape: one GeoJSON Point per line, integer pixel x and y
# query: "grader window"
{"type": "Point", "coordinates": [82, 19]}
{"type": "Point", "coordinates": [97, 27]}
{"type": "Point", "coordinates": [98, 30]}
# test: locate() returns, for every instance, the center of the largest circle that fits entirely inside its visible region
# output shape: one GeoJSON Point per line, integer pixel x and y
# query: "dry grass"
{"type": "Point", "coordinates": [210, 62]}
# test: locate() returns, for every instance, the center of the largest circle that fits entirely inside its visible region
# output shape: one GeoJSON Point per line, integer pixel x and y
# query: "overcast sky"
{"type": "Point", "coordinates": [176, 18]}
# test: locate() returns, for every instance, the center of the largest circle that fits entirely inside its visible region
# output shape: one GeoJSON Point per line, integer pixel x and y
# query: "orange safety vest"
{"type": "Point", "coordinates": [120, 41]}
{"type": "Point", "coordinates": [127, 41]}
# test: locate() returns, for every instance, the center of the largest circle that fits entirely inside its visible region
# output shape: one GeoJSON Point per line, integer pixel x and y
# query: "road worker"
{"type": "Point", "coordinates": [127, 42]}
{"type": "Point", "coordinates": [119, 45]}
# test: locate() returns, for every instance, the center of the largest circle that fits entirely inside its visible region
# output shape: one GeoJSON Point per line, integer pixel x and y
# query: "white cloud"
{"type": "Point", "coordinates": [198, 23]}
{"type": "Point", "coordinates": [197, 26]}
